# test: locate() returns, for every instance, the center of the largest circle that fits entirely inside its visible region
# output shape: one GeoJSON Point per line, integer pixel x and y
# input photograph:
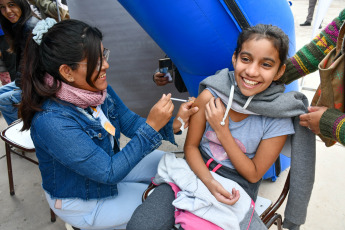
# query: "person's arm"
{"type": "Point", "coordinates": [130, 121]}
{"type": "Point", "coordinates": [63, 138]}
{"type": "Point", "coordinates": [61, 135]}
{"type": "Point", "coordinates": [329, 122]}
{"type": "Point", "coordinates": [251, 169]}
{"type": "Point", "coordinates": [332, 125]}
{"type": "Point", "coordinates": [193, 156]}
{"type": "Point", "coordinates": [307, 59]}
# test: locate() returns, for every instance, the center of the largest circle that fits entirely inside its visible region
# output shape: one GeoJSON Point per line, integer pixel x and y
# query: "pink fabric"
{"type": "Point", "coordinates": [209, 162]}
{"type": "Point", "coordinates": [216, 168]}
{"type": "Point", "coordinates": [79, 97]}
{"type": "Point", "coordinates": [5, 78]}
{"type": "Point", "coordinates": [188, 220]}
{"type": "Point", "coordinates": [252, 205]}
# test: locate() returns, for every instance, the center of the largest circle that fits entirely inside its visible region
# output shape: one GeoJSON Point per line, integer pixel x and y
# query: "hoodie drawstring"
{"type": "Point", "coordinates": [248, 101]}
{"type": "Point", "coordinates": [228, 107]}
{"type": "Point", "coordinates": [231, 97]}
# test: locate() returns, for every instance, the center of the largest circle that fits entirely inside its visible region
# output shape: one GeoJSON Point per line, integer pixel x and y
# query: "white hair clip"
{"type": "Point", "coordinates": [41, 28]}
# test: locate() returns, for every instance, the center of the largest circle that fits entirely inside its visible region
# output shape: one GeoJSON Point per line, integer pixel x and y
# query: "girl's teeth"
{"type": "Point", "coordinates": [250, 82]}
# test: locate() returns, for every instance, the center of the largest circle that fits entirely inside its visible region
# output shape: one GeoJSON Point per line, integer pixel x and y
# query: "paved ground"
{"type": "Point", "coordinates": [28, 209]}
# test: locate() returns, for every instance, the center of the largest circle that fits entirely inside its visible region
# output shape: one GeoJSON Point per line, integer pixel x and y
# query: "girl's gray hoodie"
{"type": "Point", "coordinates": [273, 102]}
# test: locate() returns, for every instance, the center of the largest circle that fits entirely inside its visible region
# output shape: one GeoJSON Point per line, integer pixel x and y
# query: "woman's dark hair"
{"type": "Point", "coordinates": [67, 42]}
{"type": "Point", "coordinates": [13, 34]}
{"type": "Point", "coordinates": [279, 39]}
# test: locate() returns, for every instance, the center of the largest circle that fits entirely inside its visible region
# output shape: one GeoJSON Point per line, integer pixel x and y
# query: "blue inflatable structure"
{"type": "Point", "coordinates": [200, 35]}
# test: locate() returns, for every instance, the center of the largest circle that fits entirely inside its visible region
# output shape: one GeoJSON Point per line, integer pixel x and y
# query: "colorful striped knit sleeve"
{"type": "Point", "coordinates": [332, 125]}
{"type": "Point", "coordinates": [307, 59]}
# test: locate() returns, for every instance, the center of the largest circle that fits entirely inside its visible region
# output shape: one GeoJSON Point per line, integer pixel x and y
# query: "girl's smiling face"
{"type": "Point", "coordinates": [10, 10]}
{"type": "Point", "coordinates": [256, 66]}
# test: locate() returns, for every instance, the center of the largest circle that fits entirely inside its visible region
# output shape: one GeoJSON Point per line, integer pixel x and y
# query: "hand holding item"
{"type": "Point", "coordinates": [160, 113]}
{"type": "Point", "coordinates": [186, 110]}
{"type": "Point", "coordinates": [214, 112]}
{"type": "Point", "coordinates": [311, 120]}
{"type": "Point", "coordinates": [161, 79]}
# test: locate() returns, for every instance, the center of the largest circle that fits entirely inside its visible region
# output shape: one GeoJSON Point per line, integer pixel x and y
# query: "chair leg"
{"type": "Point", "coordinates": [9, 168]}
{"type": "Point", "coordinates": [52, 216]}
{"type": "Point", "coordinates": [276, 218]}
{"type": "Point", "coordinates": [279, 223]}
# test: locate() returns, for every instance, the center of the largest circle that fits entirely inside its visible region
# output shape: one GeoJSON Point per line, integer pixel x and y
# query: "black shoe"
{"type": "Point", "coordinates": [306, 23]}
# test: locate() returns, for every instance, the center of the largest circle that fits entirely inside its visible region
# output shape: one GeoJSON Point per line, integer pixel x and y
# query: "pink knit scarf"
{"type": "Point", "coordinates": [79, 97]}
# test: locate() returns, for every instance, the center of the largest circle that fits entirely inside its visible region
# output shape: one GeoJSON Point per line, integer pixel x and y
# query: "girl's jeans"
{"type": "Point", "coordinates": [114, 212]}
{"type": "Point", "coordinates": [10, 95]}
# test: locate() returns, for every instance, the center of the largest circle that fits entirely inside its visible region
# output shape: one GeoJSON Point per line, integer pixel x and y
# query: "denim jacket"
{"type": "Point", "coordinates": [75, 154]}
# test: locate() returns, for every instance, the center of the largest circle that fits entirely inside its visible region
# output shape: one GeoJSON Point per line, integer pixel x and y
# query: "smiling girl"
{"type": "Point", "coordinates": [229, 138]}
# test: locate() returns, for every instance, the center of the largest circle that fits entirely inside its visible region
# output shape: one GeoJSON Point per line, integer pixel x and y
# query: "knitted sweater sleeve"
{"type": "Point", "coordinates": [332, 125]}
{"type": "Point", "coordinates": [307, 59]}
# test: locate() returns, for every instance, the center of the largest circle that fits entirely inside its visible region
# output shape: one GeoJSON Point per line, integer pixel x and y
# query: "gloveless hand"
{"type": "Point", "coordinates": [160, 113]}
{"type": "Point", "coordinates": [221, 194]}
{"type": "Point", "coordinates": [312, 119]}
{"type": "Point", "coordinates": [185, 111]}
{"type": "Point", "coordinates": [214, 112]}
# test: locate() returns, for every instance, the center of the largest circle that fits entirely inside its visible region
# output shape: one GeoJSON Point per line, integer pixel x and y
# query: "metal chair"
{"type": "Point", "coordinates": [19, 143]}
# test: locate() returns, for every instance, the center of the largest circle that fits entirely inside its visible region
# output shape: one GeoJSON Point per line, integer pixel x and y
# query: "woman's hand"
{"type": "Point", "coordinates": [186, 110]}
{"type": "Point", "coordinates": [160, 80]}
{"type": "Point", "coordinates": [311, 120]}
{"type": "Point", "coordinates": [160, 113]}
{"type": "Point", "coordinates": [221, 194]}
{"type": "Point", "coordinates": [214, 112]}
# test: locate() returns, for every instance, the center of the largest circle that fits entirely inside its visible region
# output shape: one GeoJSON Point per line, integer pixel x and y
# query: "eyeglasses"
{"type": "Point", "coordinates": [106, 54]}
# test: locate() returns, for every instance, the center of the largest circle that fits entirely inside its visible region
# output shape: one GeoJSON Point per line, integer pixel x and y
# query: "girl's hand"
{"type": "Point", "coordinates": [186, 110]}
{"type": "Point", "coordinates": [160, 113]}
{"type": "Point", "coordinates": [214, 111]}
{"type": "Point", "coordinates": [221, 194]}
{"type": "Point", "coordinates": [311, 120]}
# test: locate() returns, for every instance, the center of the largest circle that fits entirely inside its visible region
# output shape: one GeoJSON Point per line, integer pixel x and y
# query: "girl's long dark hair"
{"type": "Point", "coordinates": [13, 33]}
{"type": "Point", "coordinates": [67, 42]}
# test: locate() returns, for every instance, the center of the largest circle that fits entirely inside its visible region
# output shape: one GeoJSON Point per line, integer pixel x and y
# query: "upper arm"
{"type": "Point", "coordinates": [197, 122]}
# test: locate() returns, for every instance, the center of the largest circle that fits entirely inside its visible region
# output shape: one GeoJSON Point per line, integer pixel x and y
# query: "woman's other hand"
{"type": "Point", "coordinates": [160, 113]}
{"type": "Point", "coordinates": [311, 120]}
{"type": "Point", "coordinates": [186, 110]}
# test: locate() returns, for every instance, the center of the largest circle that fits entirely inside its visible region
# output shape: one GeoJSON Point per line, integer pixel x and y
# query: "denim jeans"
{"type": "Point", "coordinates": [10, 95]}
{"type": "Point", "coordinates": [113, 212]}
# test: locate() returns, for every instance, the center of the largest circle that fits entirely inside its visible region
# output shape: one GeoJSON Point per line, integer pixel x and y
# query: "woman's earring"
{"type": "Point", "coordinates": [70, 78]}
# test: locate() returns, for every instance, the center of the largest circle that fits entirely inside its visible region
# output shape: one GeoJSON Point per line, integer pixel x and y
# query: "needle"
{"type": "Point", "coordinates": [176, 99]}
